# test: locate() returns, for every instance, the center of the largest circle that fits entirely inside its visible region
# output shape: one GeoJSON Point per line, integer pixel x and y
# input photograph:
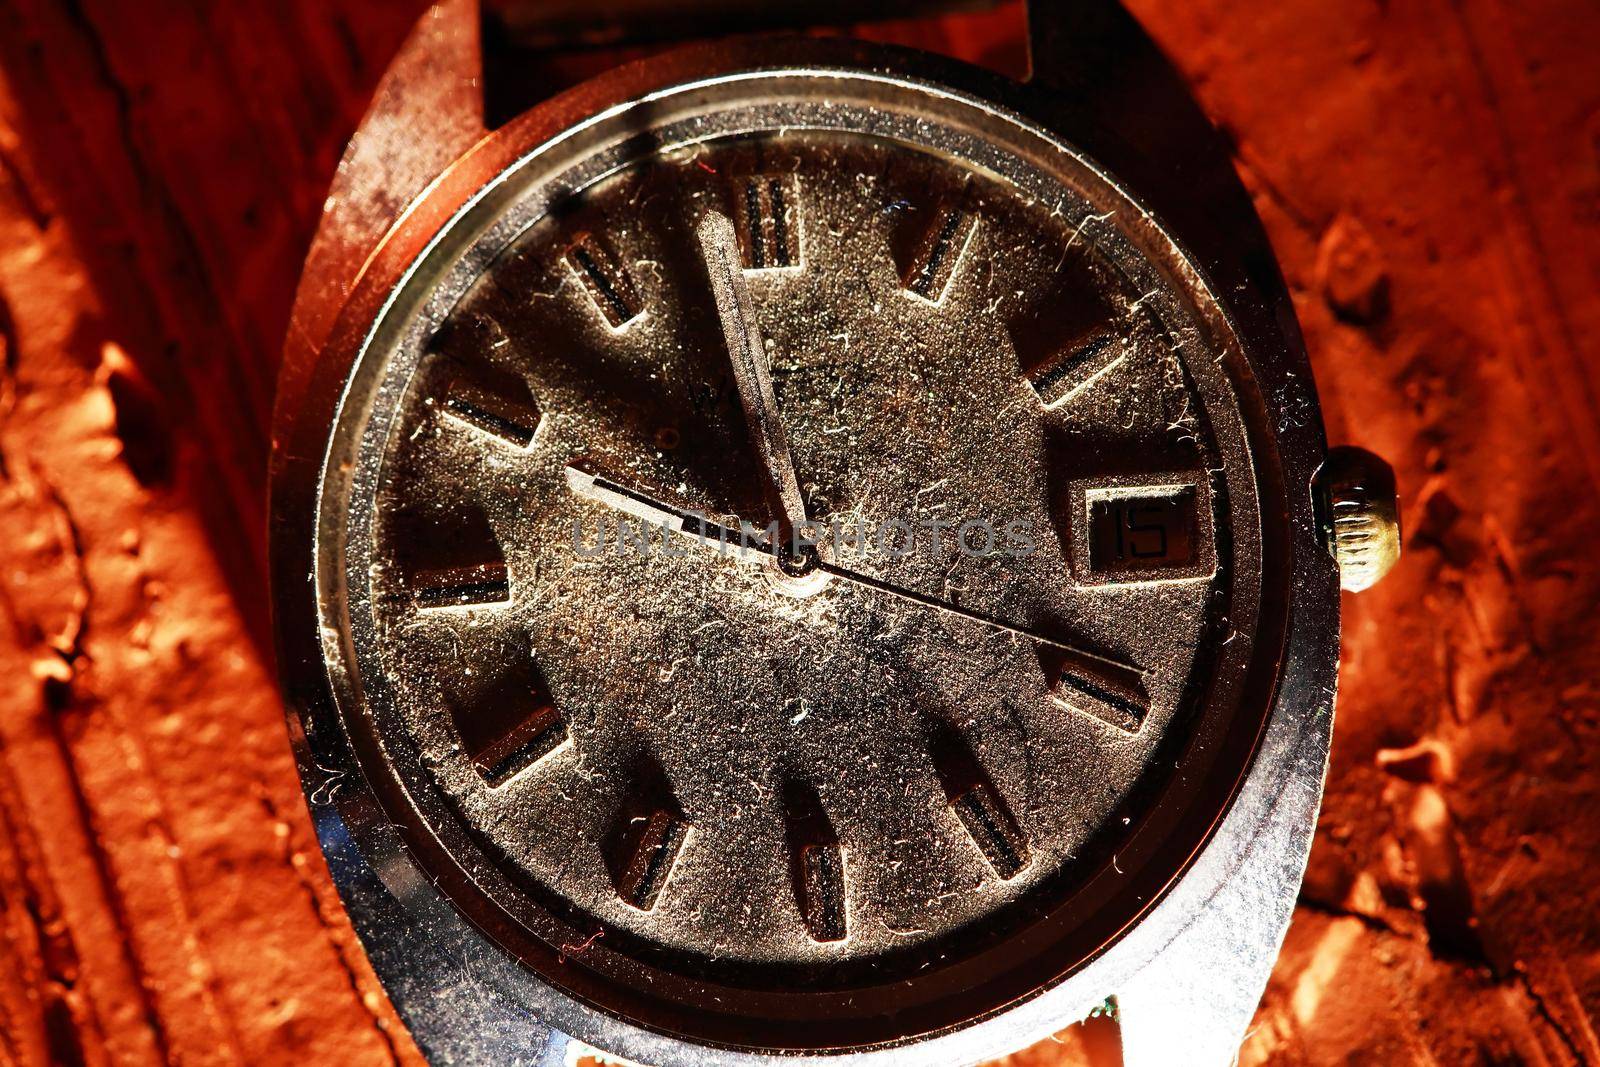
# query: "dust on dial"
{"type": "Point", "coordinates": [945, 751]}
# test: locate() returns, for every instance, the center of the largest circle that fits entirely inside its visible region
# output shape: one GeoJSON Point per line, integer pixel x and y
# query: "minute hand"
{"type": "Point", "coordinates": [719, 245]}
{"type": "Point", "coordinates": [1116, 670]}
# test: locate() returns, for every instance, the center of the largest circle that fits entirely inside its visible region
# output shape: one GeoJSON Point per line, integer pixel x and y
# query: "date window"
{"type": "Point", "coordinates": [1150, 529]}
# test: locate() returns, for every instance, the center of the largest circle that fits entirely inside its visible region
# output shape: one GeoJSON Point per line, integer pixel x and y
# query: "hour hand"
{"type": "Point", "coordinates": [719, 245]}
{"type": "Point", "coordinates": [696, 525]}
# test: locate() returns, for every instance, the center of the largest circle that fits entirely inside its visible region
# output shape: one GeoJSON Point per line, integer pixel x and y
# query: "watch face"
{"type": "Point", "coordinates": [795, 559]}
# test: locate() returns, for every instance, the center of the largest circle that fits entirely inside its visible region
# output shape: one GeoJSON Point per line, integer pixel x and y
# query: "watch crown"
{"type": "Point", "coordinates": [1360, 515]}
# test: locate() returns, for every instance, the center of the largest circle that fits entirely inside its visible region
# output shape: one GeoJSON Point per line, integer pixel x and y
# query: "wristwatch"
{"type": "Point", "coordinates": [799, 551]}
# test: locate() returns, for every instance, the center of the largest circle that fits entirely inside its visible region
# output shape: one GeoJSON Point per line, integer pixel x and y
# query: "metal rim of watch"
{"type": "Point", "coordinates": [364, 847]}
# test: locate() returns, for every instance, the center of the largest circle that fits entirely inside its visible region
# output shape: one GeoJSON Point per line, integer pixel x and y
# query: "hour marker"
{"type": "Point", "coordinates": [652, 844]}
{"type": "Point", "coordinates": [817, 864]}
{"type": "Point", "coordinates": [470, 336]}
{"type": "Point", "coordinates": [1139, 529]}
{"type": "Point", "coordinates": [992, 829]}
{"type": "Point", "coordinates": [647, 836]}
{"type": "Point", "coordinates": [1071, 334]}
{"type": "Point", "coordinates": [1101, 688]}
{"type": "Point", "coordinates": [449, 556]}
{"type": "Point", "coordinates": [1078, 368]}
{"type": "Point", "coordinates": [1150, 529]}
{"type": "Point", "coordinates": [461, 587]}
{"type": "Point", "coordinates": [606, 281]}
{"type": "Point", "coordinates": [540, 734]}
{"type": "Point", "coordinates": [512, 419]}
{"type": "Point", "coordinates": [1083, 694]}
{"type": "Point", "coordinates": [976, 802]}
{"type": "Point", "coordinates": [929, 273]}
{"type": "Point", "coordinates": [509, 724]}
{"type": "Point", "coordinates": [468, 384]}
{"type": "Point", "coordinates": [766, 213]}
{"type": "Point", "coordinates": [822, 873]}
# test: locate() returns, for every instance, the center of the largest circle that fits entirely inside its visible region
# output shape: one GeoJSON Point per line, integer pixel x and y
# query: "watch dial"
{"type": "Point", "coordinates": [666, 735]}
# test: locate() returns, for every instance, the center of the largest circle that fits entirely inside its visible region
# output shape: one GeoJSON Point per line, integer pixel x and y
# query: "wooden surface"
{"type": "Point", "coordinates": [1430, 175]}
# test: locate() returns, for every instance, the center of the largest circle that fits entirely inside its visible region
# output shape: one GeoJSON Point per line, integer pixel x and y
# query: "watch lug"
{"type": "Point", "coordinates": [1102, 64]}
{"type": "Point", "coordinates": [1076, 44]}
{"type": "Point", "coordinates": [1183, 1016]}
{"type": "Point", "coordinates": [463, 1021]}
{"type": "Point", "coordinates": [1118, 98]}
{"type": "Point", "coordinates": [1116, 88]}
{"type": "Point", "coordinates": [1193, 1002]}
{"type": "Point", "coordinates": [427, 112]}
